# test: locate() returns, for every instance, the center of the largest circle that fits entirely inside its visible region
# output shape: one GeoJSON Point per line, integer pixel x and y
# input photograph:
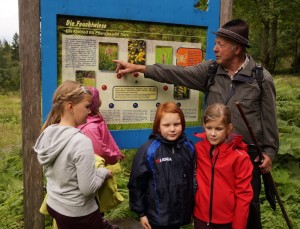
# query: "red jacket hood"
{"type": "Point", "coordinates": [235, 141]}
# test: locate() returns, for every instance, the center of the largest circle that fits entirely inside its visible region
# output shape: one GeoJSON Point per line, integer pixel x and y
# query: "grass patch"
{"type": "Point", "coordinates": [10, 122]}
{"type": "Point", "coordinates": [285, 171]}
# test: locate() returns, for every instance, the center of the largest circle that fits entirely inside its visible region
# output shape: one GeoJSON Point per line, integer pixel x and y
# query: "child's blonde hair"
{"type": "Point", "coordinates": [69, 90]}
{"type": "Point", "coordinates": [216, 111]}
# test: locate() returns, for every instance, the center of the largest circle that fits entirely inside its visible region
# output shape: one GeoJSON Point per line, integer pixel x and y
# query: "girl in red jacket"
{"type": "Point", "coordinates": [223, 174]}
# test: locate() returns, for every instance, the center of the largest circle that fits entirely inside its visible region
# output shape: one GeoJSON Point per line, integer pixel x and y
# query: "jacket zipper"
{"type": "Point", "coordinates": [212, 182]}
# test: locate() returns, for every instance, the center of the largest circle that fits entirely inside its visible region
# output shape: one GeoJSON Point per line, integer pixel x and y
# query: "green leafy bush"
{"type": "Point", "coordinates": [286, 169]}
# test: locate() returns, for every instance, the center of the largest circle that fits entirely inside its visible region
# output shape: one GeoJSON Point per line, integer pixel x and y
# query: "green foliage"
{"type": "Point", "coordinates": [11, 209]}
{"type": "Point", "coordinates": [286, 168]}
{"type": "Point", "coordinates": [10, 122]}
{"type": "Point", "coordinates": [11, 186]}
{"type": "Point", "coordinates": [11, 189]}
{"type": "Point", "coordinates": [9, 65]}
{"type": "Point", "coordinates": [15, 47]}
{"type": "Point", "coordinates": [288, 95]}
{"type": "Point", "coordinates": [123, 210]}
{"type": "Point", "coordinates": [274, 32]}
{"type": "Point", "coordinates": [286, 173]}
{"type": "Point", "coordinates": [201, 5]}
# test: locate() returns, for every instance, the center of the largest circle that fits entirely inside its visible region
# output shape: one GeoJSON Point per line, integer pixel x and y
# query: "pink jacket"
{"type": "Point", "coordinates": [103, 142]}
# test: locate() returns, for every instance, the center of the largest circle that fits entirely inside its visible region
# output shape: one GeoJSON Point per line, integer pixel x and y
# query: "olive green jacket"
{"type": "Point", "coordinates": [260, 109]}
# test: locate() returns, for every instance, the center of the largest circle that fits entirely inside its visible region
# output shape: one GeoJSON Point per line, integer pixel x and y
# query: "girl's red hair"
{"type": "Point", "coordinates": [168, 107]}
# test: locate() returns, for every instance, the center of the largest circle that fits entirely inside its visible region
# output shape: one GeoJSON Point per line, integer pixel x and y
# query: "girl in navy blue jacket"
{"type": "Point", "coordinates": [161, 179]}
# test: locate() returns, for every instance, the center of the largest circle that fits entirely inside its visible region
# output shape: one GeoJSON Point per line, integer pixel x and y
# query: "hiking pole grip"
{"type": "Point", "coordinates": [269, 175]}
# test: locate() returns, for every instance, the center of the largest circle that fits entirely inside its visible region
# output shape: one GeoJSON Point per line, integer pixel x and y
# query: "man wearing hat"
{"type": "Point", "coordinates": [233, 81]}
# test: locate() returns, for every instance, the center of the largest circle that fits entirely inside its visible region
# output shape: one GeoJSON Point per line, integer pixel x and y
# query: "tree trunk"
{"type": "Point", "coordinates": [265, 45]}
{"type": "Point", "coordinates": [30, 75]}
{"type": "Point", "coordinates": [226, 11]}
{"type": "Point", "coordinates": [273, 44]}
{"type": "Point", "coordinates": [295, 67]}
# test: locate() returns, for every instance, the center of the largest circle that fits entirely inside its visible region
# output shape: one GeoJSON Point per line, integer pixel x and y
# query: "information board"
{"type": "Point", "coordinates": [80, 39]}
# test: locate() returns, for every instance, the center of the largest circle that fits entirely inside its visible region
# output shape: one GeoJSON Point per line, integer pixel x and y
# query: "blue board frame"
{"type": "Point", "coordinates": [167, 11]}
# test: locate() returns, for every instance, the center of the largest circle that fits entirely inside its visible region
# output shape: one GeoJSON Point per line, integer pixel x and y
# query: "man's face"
{"type": "Point", "coordinates": [224, 50]}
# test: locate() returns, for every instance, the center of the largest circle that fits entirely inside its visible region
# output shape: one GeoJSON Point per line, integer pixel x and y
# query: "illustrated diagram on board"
{"type": "Point", "coordinates": [88, 46]}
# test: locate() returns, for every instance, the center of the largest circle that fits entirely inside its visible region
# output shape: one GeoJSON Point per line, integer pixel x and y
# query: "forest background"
{"type": "Point", "coordinates": [274, 39]}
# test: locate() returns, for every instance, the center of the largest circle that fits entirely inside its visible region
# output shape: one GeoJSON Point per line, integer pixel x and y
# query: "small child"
{"type": "Point", "coordinates": [96, 129]}
{"type": "Point", "coordinates": [104, 145]}
{"type": "Point", "coordinates": [161, 180]}
{"type": "Point", "coordinates": [223, 174]}
{"type": "Point", "coordinates": [68, 160]}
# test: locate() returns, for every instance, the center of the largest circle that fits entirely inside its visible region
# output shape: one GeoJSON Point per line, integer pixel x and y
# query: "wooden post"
{"type": "Point", "coordinates": [226, 11]}
{"type": "Point", "coordinates": [30, 74]}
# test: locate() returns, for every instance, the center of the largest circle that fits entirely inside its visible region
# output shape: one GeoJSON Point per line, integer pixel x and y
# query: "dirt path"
{"type": "Point", "coordinates": [128, 223]}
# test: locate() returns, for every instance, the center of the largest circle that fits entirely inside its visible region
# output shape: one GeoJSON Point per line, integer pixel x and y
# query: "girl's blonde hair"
{"type": "Point", "coordinates": [216, 111]}
{"type": "Point", "coordinates": [168, 107]}
{"type": "Point", "coordinates": [68, 91]}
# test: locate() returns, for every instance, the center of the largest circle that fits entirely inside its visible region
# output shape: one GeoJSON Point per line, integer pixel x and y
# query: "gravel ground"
{"type": "Point", "coordinates": [128, 223]}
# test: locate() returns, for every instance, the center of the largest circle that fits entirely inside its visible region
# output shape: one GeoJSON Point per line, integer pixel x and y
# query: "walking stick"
{"type": "Point", "coordinates": [268, 178]}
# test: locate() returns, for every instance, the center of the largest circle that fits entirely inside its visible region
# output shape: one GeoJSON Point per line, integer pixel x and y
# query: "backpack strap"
{"type": "Point", "coordinates": [212, 70]}
{"type": "Point", "coordinates": [210, 79]}
{"type": "Point", "coordinates": [258, 72]}
{"type": "Point", "coordinates": [259, 76]}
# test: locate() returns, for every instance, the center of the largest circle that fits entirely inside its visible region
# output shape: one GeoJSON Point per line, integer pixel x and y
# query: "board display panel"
{"type": "Point", "coordinates": [80, 39]}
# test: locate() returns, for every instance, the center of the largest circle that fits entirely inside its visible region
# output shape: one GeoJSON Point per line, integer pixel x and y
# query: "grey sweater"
{"type": "Point", "coordinates": [68, 162]}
